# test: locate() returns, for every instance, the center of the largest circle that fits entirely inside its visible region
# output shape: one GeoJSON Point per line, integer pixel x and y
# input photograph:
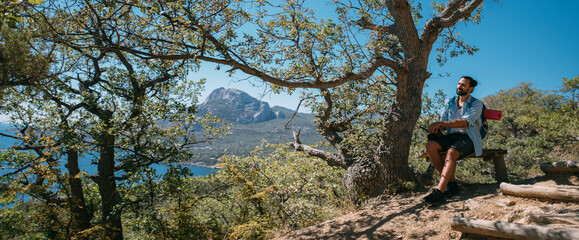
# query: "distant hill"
{"type": "Point", "coordinates": [236, 106]}
{"type": "Point", "coordinates": [252, 121]}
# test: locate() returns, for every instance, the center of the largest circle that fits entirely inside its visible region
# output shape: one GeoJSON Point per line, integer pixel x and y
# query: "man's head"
{"type": "Point", "coordinates": [465, 85]}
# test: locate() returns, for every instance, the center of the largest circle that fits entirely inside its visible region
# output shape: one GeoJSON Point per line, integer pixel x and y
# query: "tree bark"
{"type": "Point", "coordinates": [105, 179]}
{"type": "Point", "coordinates": [389, 168]}
{"type": "Point", "coordinates": [566, 193]}
{"type": "Point", "coordinates": [509, 230]}
{"type": "Point", "coordinates": [80, 219]}
{"type": "Point", "coordinates": [394, 148]}
{"type": "Point", "coordinates": [364, 179]}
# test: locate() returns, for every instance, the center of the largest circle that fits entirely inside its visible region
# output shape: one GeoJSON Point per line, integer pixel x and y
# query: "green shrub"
{"type": "Point", "coordinates": [274, 188]}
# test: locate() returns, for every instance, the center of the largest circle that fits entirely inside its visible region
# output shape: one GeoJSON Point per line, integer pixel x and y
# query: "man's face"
{"type": "Point", "coordinates": [463, 87]}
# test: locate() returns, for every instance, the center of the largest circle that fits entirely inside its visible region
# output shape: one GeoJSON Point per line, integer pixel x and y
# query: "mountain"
{"type": "Point", "coordinates": [252, 122]}
{"type": "Point", "coordinates": [236, 106]}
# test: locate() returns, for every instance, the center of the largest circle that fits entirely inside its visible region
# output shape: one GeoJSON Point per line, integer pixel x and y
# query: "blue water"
{"type": "Point", "coordinates": [85, 161]}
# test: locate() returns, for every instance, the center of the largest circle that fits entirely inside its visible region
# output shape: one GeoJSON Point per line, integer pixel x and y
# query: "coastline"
{"type": "Point", "coordinates": [199, 164]}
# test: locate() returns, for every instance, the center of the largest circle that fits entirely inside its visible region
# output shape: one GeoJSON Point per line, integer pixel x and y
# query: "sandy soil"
{"type": "Point", "coordinates": [406, 217]}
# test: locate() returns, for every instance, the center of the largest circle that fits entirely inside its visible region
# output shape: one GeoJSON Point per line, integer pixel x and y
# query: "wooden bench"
{"type": "Point", "coordinates": [497, 155]}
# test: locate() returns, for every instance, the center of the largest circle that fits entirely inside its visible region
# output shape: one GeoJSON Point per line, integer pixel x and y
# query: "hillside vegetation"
{"type": "Point", "coordinates": [118, 83]}
{"type": "Point", "coordinates": [246, 131]}
{"type": "Point", "coordinates": [274, 190]}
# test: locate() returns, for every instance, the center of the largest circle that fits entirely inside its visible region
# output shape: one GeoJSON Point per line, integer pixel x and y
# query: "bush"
{"type": "Point", "coordinates": [273, 189]}
{"type": "Point", "coordinates": [252, 197]}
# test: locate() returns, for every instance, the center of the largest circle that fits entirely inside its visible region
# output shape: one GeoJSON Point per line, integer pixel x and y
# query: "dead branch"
{"type": "Point", "coordinates": [331, 159]}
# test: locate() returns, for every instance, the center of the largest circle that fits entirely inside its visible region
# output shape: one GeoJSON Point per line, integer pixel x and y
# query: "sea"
{"type": "Point", "coordinates": [85, 162]}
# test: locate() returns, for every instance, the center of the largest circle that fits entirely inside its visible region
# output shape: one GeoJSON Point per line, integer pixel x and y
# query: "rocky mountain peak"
{"type": "Point", "coordinates": [233, 105]}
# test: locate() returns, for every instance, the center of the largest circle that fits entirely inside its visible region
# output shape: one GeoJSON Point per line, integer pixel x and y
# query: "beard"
{"type": "Point", "coordinates": [460, 92]}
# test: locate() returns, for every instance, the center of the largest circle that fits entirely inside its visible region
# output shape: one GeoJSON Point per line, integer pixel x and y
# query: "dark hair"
{"type": "Point", "coordinates": [471, 82]}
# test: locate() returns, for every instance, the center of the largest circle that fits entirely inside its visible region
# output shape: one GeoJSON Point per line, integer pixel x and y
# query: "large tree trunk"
{"type": "Point", "coordinates": [389, 168]}
{"type": "Point", "coordinates": [80, 217]}
{"type": "Point", "coordinates": [394, 149]}
{"type": "Point", "coordinates": [110, 198]}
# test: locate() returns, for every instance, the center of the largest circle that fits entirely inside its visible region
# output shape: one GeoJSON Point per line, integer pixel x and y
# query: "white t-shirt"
{"type": "Point", "coordinates": [458, 115]}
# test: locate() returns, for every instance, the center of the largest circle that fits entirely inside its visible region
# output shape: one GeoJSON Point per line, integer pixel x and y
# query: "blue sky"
{"type": "Point", "coordinates": [519, 41]}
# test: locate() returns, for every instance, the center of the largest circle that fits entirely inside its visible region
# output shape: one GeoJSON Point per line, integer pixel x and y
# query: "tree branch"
{"type": "Point", "coordinates": [365, 24]}
{"type": "Point", "coordinates": [347, 77]}
{"type": "Point", "coordinates": [331, 159]}
{"type": "Point", "coordinates": [404, 26]}
{"type": "Point", "coordinates": [229, 60]}
{"type": "Point", "coordinates": [447, 18]}
{"type": "Point", "coordinates": [330, 129]}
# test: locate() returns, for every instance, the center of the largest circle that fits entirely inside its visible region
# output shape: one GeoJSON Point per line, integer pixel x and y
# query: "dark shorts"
{"type": "Point", "coordinates": [459, 141]}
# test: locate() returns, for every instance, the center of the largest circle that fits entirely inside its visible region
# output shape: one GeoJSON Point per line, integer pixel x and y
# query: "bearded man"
{"type": "Point", "coordinates": [461, 118]}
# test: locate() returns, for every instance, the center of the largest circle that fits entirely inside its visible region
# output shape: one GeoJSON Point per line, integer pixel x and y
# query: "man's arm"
{"type": "Point", "coordinates": [472, 115]}
{"type": "Point", "coordinates": [444, 116]}
{"type": "Point", "coordinates": [438, 126]}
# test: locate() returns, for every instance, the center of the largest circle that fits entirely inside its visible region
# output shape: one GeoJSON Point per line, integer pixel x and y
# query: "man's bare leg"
{"type": "Point", "coordinates": [433, 150]}
{"type": "Point", "coordinates": [447, 173]}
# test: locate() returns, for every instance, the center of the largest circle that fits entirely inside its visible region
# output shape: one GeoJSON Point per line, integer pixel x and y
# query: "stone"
{"type": "Point", "coordinates": [471, 204]}
{"type": "Point", "coordinates": [505, 202]}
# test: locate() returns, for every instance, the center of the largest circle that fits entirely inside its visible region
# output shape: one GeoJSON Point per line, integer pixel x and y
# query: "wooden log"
{"type": "Point", "coordinates": [568, 218]}
{"type": "Point", "coordinates": [509, 230]}
{"type": "Point", "coordinates": [566, 193]}
{"type": "Point", "coordinates": [561, 167]}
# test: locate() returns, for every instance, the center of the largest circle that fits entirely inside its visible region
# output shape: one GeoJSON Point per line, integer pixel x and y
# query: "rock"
{"type": "Point", "coordinates": [505, 202]}
{"type": "Point", "coordinates": [471, 204]}
{"type": "Point", "coordinates": [279, 114]}
{"type": "Point", "coordinates": [528, 211]}
{"type": "Point", "coordinates": [233, 105]}
{"type": "Point", "coordinates": [512, 216]}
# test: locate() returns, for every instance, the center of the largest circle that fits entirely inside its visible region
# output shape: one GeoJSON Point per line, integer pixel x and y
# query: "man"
{"type": "Point", "coordinates": [462, 119]}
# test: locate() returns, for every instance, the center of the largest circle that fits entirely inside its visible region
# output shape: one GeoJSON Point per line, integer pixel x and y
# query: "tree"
{"type": "Point", "coordinates": [41, 175]}
{"type": "Point", "coordinates": [10, 11]}
{"type": "Point", "coordinates": [20, 64]}
{"type": "Point", "coordinates": [128, 112]}
{"type": "Point", "coordinates": [571, 86]}
{"type": "Point", "coordinates": [539, 128]}
{"type": "Point", "coordinates": [283, 43]}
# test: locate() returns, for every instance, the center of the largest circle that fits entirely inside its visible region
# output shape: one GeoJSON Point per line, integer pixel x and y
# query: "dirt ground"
{"type": "Point", "coordinates": [406, 217]}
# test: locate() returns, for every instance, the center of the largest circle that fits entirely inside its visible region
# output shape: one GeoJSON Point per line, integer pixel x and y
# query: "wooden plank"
{"type": "Point", "coordinates": [567, 193]}
{"type": "Point", "coordinates": [509, 230]}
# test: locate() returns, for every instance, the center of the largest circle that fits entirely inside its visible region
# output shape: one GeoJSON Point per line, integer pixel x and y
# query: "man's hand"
{"type": "Point", "coordinates": [435, 127]}
{"type": "Point", "coordinates": [439, 126]}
